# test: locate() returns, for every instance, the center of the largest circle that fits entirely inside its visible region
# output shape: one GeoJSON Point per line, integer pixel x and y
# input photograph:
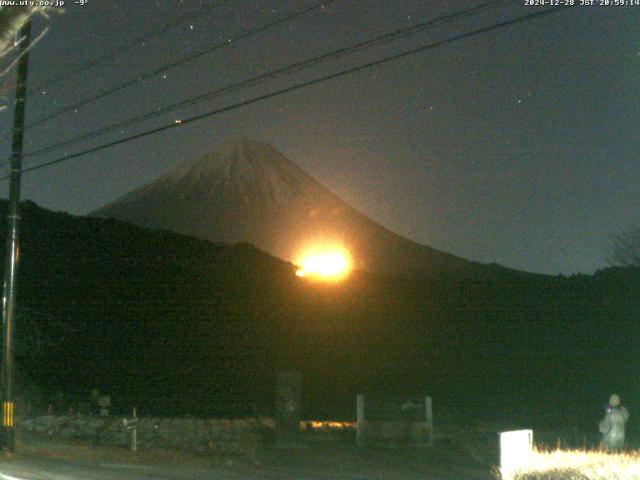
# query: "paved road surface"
{"type": "Point", "coordinates": [42, 458]}
{"type": "Point", "coordinates": [20, 467]}
{"type": "Point", "coordinates": [26, 467]}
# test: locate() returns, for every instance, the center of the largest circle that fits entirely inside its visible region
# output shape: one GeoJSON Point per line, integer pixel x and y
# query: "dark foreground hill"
{"type": "Point", "coordinates": [177, 325]}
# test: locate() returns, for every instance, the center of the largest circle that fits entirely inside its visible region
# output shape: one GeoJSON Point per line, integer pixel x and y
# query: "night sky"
{"type": "Point", "coordinates": [518, 146]}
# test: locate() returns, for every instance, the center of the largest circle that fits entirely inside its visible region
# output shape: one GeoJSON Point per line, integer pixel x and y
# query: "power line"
{"type": "Point", "coordinates": [178, 63]}
{"type": "Point", "coordinates": [138, 41]}
{"type": "Point", "coordinates": [291, 68]}
{"type": "Point", "coordinates": [298, 86]}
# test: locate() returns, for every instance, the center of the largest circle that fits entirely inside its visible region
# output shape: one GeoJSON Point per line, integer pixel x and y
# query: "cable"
{"type": "Point", "coordinates": [295, 67]}
{"type": "Point", "coordinates": [270, 75]}
{"type": "Point", "coordinates": [129, 46]}
{"type": "Point", "coordinates": [177, 63]}
{"type": "Point", "coordinates": [296, 87]}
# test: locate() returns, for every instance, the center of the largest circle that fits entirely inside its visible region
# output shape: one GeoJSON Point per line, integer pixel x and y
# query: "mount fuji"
{"type": "Point", "coordinates": [247, 191]}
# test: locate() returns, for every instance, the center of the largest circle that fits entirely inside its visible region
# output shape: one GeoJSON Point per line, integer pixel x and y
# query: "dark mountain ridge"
{"type": "Point", "coordinates": [249, 191]}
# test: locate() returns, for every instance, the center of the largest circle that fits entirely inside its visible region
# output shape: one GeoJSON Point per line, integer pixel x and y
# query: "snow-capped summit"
{"type": "Point", "coordinates": [248, 191]}
{"type": "Point", "coordinates": [251, 170]}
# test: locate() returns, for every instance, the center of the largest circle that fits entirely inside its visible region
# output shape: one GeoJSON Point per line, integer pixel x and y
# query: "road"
{"type": "Point", "coordinates": [19, 467]}
{"type": "Point", "coordinates": [43, 458]}
{"type": "Point", "coordinates": [28, 467]}
{"type": "Point", "coordinates": [33, 468]}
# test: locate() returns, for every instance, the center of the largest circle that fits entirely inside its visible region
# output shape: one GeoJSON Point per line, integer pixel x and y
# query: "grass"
{"type": "Point", "coordinates": [581, 465]}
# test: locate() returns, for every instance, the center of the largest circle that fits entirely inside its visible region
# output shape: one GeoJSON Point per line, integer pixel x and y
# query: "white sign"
{"type": "Point", "coordinates": [516, 448]}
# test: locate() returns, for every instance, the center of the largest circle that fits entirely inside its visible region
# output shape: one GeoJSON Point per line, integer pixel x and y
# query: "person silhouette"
{"type": "Point", "coordinates": [612, 425]}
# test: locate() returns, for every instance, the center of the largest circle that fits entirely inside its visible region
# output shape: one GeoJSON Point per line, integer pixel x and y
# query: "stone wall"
{"type": "Point", "coordinates": [237, 436]}
{"type": "Point", "coordinates": [380, 432]}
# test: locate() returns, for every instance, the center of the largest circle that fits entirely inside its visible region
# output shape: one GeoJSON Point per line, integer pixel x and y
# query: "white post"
{"type": "Point", "coordinates": [428, 405]}
{"type": "Point", "coordinates": [360, 420]}
{"type": "Point", "coordinates": [516, 448]}
{"type": "Point", "coordinates": [134, 432]}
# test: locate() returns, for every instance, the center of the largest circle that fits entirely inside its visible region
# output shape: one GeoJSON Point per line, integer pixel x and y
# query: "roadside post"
{"type": "Point", "coordinates": [428, 407]}
{"type": "Point", "coordinates": [288, 408]}
{"type": "Point", "coordinates": [132, 425]}
{"type": "Point", "coordinates": [360, 420]}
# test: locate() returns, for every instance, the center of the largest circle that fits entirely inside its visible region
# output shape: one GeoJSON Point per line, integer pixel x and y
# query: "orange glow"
{"type": "Point", "coordinates": [332, 263]}
{"type": "Point", "coordinates": [326, 425]}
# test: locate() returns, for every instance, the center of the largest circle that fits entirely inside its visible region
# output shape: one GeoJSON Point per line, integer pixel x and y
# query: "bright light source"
{"type": "Point", "coordinates": [516, 448]}
{"type": "Point", "coordinates": [324, 264]}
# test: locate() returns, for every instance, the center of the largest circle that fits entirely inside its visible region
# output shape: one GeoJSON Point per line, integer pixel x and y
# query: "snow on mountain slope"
{"type": "Point", "coordinates": [248, 191]}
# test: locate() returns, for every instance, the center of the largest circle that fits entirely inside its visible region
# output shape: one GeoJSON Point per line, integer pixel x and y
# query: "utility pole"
{"type": "Point", "coordinates": [7, 440]}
